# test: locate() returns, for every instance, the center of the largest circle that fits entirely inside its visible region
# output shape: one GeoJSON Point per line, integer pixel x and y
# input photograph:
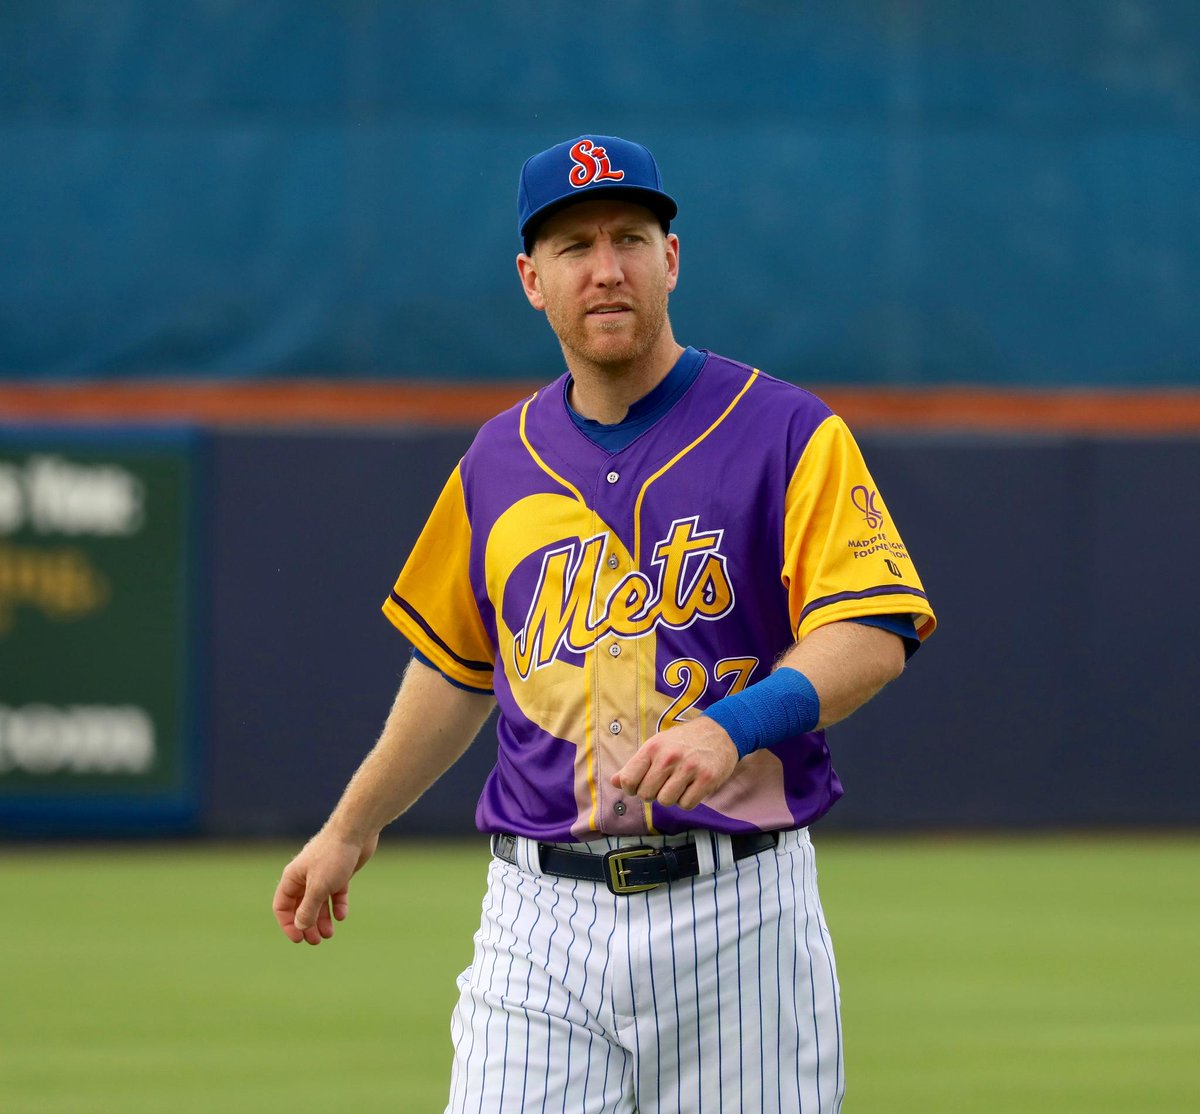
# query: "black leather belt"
{"type": "Point", "coordinates": [630, 870]}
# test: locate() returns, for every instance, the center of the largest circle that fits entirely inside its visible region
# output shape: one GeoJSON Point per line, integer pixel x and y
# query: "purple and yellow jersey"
{"type": "Point", "coordinates": [607, 596]}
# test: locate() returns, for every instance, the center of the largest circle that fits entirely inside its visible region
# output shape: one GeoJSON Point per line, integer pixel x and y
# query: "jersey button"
{"type": "Point", "coordinates": [612, 561]}
{"type": "Point", "coordinates": [615, 727]}
{"type": "Point", "coordinates": [619, 808]}
{"type": "Point", "coordinates": [612, 477]}
{"type": "Point", "coordinates": [615, 649]}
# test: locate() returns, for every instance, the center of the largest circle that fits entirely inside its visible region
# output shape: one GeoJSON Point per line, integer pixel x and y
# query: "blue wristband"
{"type": "Point", "coordinates": [778, 707]}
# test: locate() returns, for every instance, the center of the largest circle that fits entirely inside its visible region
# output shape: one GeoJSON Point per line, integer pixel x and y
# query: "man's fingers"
{"type": "Point", "coordinates": [302, 907]}
{"type": "Point", "coordinates": [328, 912]}
{"type": "Point", "coordinates": [287, 894]}
{"type": "Point", "coordinates": [310, 909]}
{"type": "Point", "coordinates": [655, 778]}
{"type": "Point", "coordinates": [655, 773]}
{"type": "Point", "coordinates": [674, 788]}
{"type": "Point", "coordinates": [695, 793]}
{"type": "Point", "coordinates": [313, 923]}
{"type": "Point", "coordinates": [629, 776]}
{"type": "Point", "coordinates": [291, 931]}
{"type": "Point", "coordinates": [314, 890]}
{"type": "Point", "coordinates": [324, 921]}
{"type": "Point", "coordinates": [679, 767]}
{"type": "Point", "coordinates": [312, 935]}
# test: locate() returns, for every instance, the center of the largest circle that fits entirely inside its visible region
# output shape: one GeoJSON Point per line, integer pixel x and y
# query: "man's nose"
{"type": "Point", "coordinates": [606, 265]}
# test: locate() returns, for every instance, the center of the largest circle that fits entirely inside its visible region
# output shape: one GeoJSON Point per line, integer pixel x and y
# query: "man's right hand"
{"type": "Point", "coordinates": [314, 889]}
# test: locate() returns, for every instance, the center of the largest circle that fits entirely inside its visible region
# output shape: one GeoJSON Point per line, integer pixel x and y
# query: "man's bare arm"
{"type": "Point", "coordinates": [848, 663]}
{"type": "Point", "coordinates": [429, 727]}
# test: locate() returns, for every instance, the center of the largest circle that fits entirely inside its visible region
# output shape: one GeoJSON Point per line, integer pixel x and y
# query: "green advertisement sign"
{"type": "Point", "coordinates": [97, 630]}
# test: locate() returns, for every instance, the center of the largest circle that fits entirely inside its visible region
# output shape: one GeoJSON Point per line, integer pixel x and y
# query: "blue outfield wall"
{"type": "Point", "coordinates": [221, 593]}
{"type": "Point", "coordinates": [1060, 689]}
{"type": "Point", "coordinates": [875, 192]}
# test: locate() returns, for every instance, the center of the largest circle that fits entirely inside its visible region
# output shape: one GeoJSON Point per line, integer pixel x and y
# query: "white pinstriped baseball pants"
{"type": "Point", "coordinates": [715, 993]}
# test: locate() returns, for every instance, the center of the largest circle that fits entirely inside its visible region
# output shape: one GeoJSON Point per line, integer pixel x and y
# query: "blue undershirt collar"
{"type": "Point", "coordinates": [646, 410]}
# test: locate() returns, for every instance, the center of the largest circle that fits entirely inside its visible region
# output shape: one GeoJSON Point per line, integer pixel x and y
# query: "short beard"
{"type": "Point", "coordinates": [578, 340]}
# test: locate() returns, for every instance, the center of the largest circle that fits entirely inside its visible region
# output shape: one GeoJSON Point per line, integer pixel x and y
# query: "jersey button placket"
{"type": "Point", "coordinates": [615, 672]}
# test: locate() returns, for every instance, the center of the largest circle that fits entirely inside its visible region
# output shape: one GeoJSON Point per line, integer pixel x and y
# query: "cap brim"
{"type": "Point", "coordinates": [659, 204]}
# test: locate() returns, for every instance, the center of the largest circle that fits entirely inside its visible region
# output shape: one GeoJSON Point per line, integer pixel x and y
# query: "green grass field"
{"type": "Point", "coordinates": [1024, 976]}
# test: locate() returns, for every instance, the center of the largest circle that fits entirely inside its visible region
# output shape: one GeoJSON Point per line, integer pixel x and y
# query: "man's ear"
{"type": "Point", "coordinates": [527, 269]}
{"type": "Point", "coordinates": [672, 246]}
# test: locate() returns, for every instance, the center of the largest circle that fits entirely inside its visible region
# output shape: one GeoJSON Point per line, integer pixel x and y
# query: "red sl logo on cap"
{"type": "Point", "coordinates": [591, 165]}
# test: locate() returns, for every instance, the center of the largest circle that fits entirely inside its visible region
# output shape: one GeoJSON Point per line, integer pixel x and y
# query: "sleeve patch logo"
{"type": "Point", "coordinates": [692, 583]}
{"type": "Point", "coordinates": [865, 500]}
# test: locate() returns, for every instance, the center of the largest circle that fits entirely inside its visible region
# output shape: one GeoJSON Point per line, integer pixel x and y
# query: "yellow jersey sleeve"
{"type": "Point", "coordinates": [843, 555]}
{"type": "Point", "coordinates": [433, 604]}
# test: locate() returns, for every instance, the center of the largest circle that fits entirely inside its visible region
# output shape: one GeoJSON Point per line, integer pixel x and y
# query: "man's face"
{"type": "Point", "coordinates": [602, 271]}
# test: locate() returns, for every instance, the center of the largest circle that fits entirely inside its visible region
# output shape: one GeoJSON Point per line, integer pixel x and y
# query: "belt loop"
{"type": "Point", "coordinates": [723, 850]}
{"type": "Point", "coordinates": [527, 856]}
{"type": "Point", "coordinates": [790, 840]}
{"type": "Point", "coordinates": [518, 850]}
{"type": "Point", "coordinates": [706, 853]}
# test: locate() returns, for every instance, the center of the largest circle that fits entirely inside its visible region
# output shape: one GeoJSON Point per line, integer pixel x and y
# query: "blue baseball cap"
{"type": "Point", "coordinates": [584, 169]}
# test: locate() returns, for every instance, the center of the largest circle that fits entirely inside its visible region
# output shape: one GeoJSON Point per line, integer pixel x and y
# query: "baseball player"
{"type": "Point", "coordinates": [671, 571]}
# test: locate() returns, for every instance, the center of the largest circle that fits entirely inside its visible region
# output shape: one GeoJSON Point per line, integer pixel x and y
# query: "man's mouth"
{"type": "Point", "coordinates": [609, 308]}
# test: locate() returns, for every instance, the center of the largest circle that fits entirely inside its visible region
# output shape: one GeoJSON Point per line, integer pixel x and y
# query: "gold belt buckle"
{"type": "Point", "coordinates": [617, 874]}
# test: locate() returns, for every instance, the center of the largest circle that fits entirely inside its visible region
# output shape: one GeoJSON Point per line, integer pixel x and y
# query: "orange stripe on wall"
{"type": "Point", "coordinates": [257, 403]}
{"type": "Point", "coordinates": [367, 402]}
{"type": "Point", "coordinates": [1051, 410]}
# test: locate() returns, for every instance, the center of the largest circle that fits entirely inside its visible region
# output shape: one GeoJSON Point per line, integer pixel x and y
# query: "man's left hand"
{"type": "Point", "coordinates": [680, 766]}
